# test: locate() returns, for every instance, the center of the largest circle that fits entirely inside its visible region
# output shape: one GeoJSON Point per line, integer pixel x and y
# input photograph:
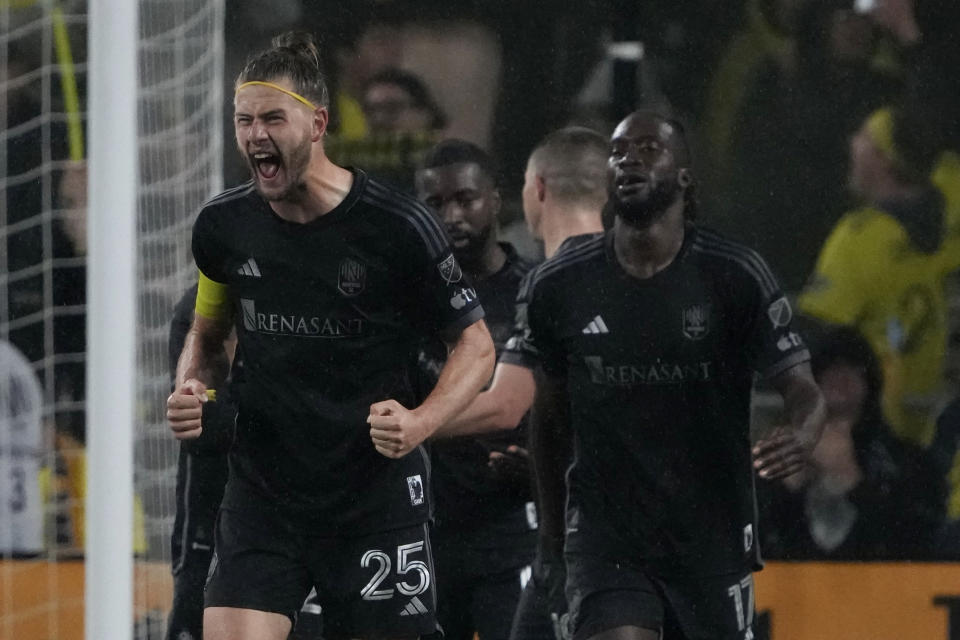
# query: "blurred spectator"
{"type": "Point", "coordinates": [404, 121]}
{"type": "Point", "coordinates": [880, 270]}
{"type": "Point", "coordinates": [63, 485]}
{"type": "Point", "coordinates": [866, 496]}
{"type": "Point", "coordinates": [946, 177]}
{"type": "Point", "coordinates": [69, 299]}
{"type": "Point", "coordinates": [927, 47]}
{"type": "Point", "coordinates": [681, 41]}
{"type": "Point", "coordinates": [398, 102]}
{"type": "Point", "coordinates": [925, 31]}
{"type": "Point", "coordinates": [764, 41]}
{"type": "Point", "coordinates": [944, 454]}
{"type": "Point", "coordinates": [377, 47]}
{"type": "Point", "coordinates": [23, 190]}
{"type": "Point", "coordinates": [21, 453]}
{"type": "Point", "coordinates": [778, 177]}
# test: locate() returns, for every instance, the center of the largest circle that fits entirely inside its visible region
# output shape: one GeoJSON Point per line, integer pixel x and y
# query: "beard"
{"type": "Point", "coordinates": [472, 251]}
{"type": "Point", "coordinates": [294, 164]}
{"type": "Point", "coordinates": [644, 211]}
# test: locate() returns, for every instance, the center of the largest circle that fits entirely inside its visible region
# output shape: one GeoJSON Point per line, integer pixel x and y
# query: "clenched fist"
{"type": "Point", "coordinates": [396, 430]}
{"type": "Point", "coordinates": [185, 409]}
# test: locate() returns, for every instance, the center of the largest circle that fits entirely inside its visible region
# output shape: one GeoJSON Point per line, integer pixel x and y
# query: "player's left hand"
{"type": "Point", "coordinates": [782, 453]}
{"type": "Point", "coordinates": [394, 429]}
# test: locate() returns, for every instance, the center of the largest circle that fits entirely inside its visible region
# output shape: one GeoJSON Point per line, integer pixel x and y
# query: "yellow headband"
{"type": "Point", "coordinates": [295, 96]}
{"type": "Point", "coordinates": [880, 127]}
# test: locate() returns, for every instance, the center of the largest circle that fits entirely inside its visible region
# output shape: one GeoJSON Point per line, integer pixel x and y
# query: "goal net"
{"type": "Point", "coordinates": [42, 290]}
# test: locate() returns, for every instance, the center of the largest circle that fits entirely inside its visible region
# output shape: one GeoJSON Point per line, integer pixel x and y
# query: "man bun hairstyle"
{"type": "Point", "coordinates": [293, 55]}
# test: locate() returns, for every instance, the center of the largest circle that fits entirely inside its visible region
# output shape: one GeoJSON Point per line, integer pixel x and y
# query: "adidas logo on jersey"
{"type": "Point", "coordinates": [250, 268]}
{"type": "Point", "coordinates": [414, 608]}
{"type": "Point", "coordinates": [596, 326]}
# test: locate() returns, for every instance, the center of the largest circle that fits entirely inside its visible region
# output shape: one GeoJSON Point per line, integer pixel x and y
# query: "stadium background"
{"type": "Point", "coordinates": [504, 73]}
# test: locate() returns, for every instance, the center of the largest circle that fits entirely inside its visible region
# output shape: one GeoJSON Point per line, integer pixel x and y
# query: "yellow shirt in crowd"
{"type": "Point", "coordinates": [869, 276]}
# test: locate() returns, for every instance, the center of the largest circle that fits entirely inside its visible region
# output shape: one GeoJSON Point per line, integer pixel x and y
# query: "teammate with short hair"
{"type": "Point", "coordinates": [649, 337]}
{"type": "Point", "coordinates": [483, 531]}
{"type": "Point", "coordinates": [563, 194]}
{"type": "Point", "coordinates": [332, 282]}
{"type": "Point", "coordinates": [565, 188]}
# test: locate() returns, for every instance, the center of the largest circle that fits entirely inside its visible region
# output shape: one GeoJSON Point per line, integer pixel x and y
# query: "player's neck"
{"type": "Point", "coordinates": [489, 262]}
{"type": "Point", "coordinates": [644, 251]}
{"type": "Point", "coordinates": [561, 223]}
{"type": "Point", "coordinates": [325, 186]}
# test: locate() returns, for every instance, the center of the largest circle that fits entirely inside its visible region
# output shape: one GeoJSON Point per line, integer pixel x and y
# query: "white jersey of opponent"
{"type": "Point", "coordinates": [21, 449]}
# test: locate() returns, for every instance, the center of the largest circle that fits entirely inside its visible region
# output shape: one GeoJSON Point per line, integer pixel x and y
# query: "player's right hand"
{"type": "Point", "coordinates": [185, 409]}
{"type": "Point", "coordinates": [510, 466]}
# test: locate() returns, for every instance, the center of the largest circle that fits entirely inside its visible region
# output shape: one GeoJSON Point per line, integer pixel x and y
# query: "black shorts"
{"type": "Point", "coordinates": [377, 585]}
{"type": "Point", "coordinates": [542, 611]}
{"type": "Point", "coordinates": [604, 594]}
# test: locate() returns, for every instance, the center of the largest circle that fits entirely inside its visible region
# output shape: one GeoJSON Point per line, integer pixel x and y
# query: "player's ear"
{"type": "Point", "coordinates": [685, 177]}
{"type": "Point", "coordinates": [541, 185]}
{"type": "Point", "coordinates": [495, 201]}
{"type": "Point", "coordinates": [321, 118]}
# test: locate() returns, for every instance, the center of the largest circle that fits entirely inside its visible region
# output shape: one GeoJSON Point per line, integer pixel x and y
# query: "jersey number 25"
{"type": "Point", "coordinates": [405, 565]}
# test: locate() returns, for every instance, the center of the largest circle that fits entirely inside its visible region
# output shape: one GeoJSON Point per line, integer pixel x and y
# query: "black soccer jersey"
{"type": "Point", "coordinates": [659, 374]}
{"type": "Point", "coordinates": [466, 491]}
{"type": "Point", "coordinates": [514, 351]}
{"type": "Point", "coordinates": [329, 316]}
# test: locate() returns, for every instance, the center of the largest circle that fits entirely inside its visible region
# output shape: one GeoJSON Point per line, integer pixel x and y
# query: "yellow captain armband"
{"type": "Point", "coordinates": [212, 299]}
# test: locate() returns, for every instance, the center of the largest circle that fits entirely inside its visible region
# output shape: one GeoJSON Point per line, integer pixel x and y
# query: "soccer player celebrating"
{"type": "Point", "coordinates": [649, 337]}
{"type": "Point", "coordinates": [332, 282]}
{"type": "Point", "coordinates": [483, 533]}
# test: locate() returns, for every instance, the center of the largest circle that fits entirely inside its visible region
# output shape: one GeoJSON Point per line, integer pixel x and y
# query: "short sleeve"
{"type": "Point", "coordinates": [208, 251]}
{"type": "Point", "coordinates": [772, 344]}
{"type": "Point", "coordinates": [444, 299]}
{"type": "Point", "coordinates": [533, 340]}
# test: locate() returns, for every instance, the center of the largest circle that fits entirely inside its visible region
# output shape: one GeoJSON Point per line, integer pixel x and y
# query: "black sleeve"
{"type": "Point", "coordinates": [773, 346]}
{"type": "Point", "coordinates": [534, 340]}
{"type": "Point", "coordinates": [208, 249]}
{"type": "Point", "coordinates": [517, 349]}
{"type": "Point", "coordinates": [444, 300]}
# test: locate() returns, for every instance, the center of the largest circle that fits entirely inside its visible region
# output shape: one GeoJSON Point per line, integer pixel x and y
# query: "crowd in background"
{"type": "Point", "coordinates": [779, 94]}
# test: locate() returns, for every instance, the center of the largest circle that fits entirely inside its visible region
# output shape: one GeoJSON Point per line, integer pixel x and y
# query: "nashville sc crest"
{"type": "Point", "coordinates": [353, 277]}
{"type": "Point", "coordinates": [696, 321]}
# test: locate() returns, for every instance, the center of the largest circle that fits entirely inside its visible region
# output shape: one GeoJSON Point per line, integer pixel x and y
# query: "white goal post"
{"type": "Point", "coordinates": [111, 317]}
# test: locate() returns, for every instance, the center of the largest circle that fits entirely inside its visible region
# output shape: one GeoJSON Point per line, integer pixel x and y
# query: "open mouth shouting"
{"type": "Point", "coordinates": [267, 165]}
